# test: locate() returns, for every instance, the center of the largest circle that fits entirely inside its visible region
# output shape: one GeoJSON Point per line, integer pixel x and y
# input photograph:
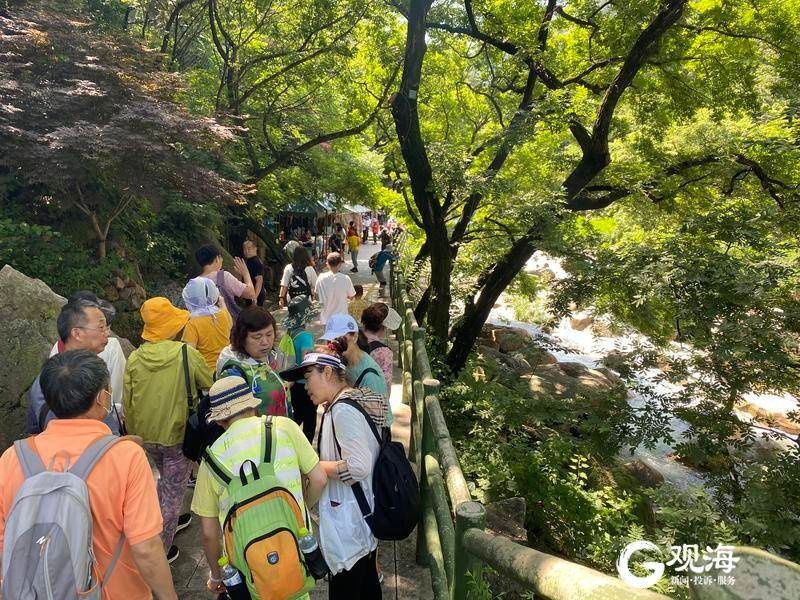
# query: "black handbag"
{"type": "Point", "coordinates": [198, 434]}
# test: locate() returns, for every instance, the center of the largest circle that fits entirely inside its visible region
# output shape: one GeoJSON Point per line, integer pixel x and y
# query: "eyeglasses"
{"type": "Point", "coordinates": [104, 329]}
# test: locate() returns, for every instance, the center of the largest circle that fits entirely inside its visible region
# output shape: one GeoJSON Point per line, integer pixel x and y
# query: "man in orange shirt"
{"type": "Point", "coordinates": [122, 492]}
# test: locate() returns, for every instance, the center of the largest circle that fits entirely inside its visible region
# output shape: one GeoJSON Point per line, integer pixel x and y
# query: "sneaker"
{"type": "Point", "coordinates": [192, 481]}
{"type": "Point", "coordinates": [183, 522]}
{"type": "Point", "coordinates": [172, 554]}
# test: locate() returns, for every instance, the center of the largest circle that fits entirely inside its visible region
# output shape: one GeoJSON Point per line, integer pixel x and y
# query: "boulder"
{"type": "Point", "coordinates": [28, 312]}
{"type": "Point", "coordinates": [119, 283]}
{"type": "Point", "coordinates": [536, 356]}
{"type": "Point", "coordinates": [552, 381]}
{"type": "Point", "coordinates": [569, 379]}
{"type": "Point", "coordinates": [573, 369]}
{"type": "Point", "coordinates": [618, 361]}
{"type": "Point", "coordinates": [581, 321]}
{"type": "Point", "coordinates": [507, 518]}
{"type": "Point", "coordinates": [646, 475]}
{"type": "Point", "coordinates": [502, 368]}
{"type": "Point", "coordinates": [776, 420]}
{"type": "Point", "coordinates": [511, 340]}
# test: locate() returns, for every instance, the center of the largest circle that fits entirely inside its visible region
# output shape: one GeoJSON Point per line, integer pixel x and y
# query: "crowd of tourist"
{"type": "Point", "coordinates": [256, 388]}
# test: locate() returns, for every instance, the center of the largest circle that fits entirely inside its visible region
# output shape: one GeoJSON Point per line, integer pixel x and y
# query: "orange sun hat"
{"type": "Point", "coordinates": [162, 320]}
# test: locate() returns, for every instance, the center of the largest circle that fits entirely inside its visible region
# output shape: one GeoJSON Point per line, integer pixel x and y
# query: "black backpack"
{"type": "Point", "coordinates": [374, 345]}
{"type": "Point", "coordinates": [298, 284]}
{"type": "Point", "coordinates": [394, 486]}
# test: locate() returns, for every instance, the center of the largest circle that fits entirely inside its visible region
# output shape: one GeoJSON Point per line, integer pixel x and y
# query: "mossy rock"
{"type": "Point", "coordinates": [28, 312]}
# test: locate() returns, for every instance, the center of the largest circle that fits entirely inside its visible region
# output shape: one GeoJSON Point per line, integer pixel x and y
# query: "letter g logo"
{"type": "Point", "coordinates": [656, 568]}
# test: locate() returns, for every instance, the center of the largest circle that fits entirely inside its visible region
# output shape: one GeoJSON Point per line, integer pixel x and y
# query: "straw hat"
{"type": "Point", "coordinates": [228, 397]}
{"type": "Point", "coordinates": [162, 321]}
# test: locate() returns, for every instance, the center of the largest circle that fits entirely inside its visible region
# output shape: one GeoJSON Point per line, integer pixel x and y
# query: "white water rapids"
{"type": "Point", "coordinates": [568, 344]}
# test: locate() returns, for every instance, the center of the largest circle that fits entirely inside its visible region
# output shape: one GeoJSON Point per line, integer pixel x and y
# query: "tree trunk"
{"type": "Point", "coordinates": [440, 297]}
{"type": "Point", "coordinates": [468, 327]}
{"type": "Point", "coordinates": [101, 249]}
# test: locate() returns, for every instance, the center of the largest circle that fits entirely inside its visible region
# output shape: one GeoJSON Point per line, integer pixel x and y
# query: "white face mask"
{"type": "Point", "coordinates": [108, 410]}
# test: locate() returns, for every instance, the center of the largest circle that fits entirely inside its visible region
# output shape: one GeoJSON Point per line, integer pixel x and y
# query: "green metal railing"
{"type": "Point", "coordinates": [451, 539]}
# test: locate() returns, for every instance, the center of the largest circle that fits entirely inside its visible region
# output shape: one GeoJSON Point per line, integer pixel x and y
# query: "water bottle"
{"type": "Point", "coordinates": [315, 563]}
{"type": "Point", "coordinates": [235, 586]}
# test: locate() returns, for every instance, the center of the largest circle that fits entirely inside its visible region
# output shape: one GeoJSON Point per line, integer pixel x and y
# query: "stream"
{"type": "Point", "coordinates": [583, 346]}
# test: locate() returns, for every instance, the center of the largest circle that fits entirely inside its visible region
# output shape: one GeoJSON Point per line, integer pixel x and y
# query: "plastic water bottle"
{"type": "Point", "coordinates": [315, 562]}
{"type": "Point", "coordinates": [235, 586]}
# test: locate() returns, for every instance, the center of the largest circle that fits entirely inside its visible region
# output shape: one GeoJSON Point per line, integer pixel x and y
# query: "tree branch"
{"type": "Point", "coordinates": [510, 136]}
{"type": "Point", "coordinates": [286, 155]}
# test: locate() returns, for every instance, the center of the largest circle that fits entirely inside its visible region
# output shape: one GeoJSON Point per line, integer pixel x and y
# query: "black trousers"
{"type": "Point", "coordinates": [304, 413]}
{"type": "Point", "coordinates": [359, 583]}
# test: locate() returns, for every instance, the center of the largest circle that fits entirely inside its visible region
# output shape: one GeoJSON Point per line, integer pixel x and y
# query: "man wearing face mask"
{"type": "Point", "coordinates": [81, 325]}
{"type": "Point", "coordinates": [122, 494]}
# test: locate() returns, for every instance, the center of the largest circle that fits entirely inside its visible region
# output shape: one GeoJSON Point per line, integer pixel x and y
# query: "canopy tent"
{"type": "Point", "coordinates": [357, 208]}
{"type": "Point", "coordinates": [310, 206]}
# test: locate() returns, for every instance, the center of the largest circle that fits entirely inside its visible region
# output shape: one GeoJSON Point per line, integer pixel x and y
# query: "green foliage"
{"type": "Point", "coordinates": [162, 241]}
{"type": "Point", "coordinates": [575, 506]}
{"type": "Point", "coordinates": [41, 252]}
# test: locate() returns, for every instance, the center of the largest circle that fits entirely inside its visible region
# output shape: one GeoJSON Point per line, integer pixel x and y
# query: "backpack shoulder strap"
{"type": "Point", "coordinates": [358, 491]}
{"type": "Point", "coordinates": [216, 469]}
{"type": "Point", "coordinates": [220, 280]}
{"type": "Point", "coordinates": [29, 459]}
{"type": "Point", "coordinates": [363, 374]}
{"type": "Point", "coordinates": [92, 454]}
{"type": "Point", "coordinates": [374, 345]}
{"type": "Point", "coordinates": [355, 404]}
{"type": "Point", "coordinates": [185, 362]}
{"type": "Point", "coordinates": [268, 443]}
{"type": "Point", "coordinates": [42, 420]}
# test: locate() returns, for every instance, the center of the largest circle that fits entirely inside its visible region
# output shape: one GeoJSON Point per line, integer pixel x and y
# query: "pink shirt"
{"type": "Point", "coordinates": [234, 286]}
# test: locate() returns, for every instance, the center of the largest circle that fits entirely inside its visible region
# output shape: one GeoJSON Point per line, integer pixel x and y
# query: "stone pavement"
{"type": "Point", "coordinates": [403, 578]}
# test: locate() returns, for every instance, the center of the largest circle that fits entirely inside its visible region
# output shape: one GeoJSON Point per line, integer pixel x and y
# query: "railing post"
{"type": "Point", "coordinates": [468, 515]}
{"type": "Point", "coordinates": [430, 387]}
{"type": "Point", "coordinates": [417, 333]}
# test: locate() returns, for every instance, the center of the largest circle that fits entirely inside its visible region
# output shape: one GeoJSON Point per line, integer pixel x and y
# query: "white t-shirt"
{"type": "Point", "coordinates": [288, 271]}
{"type": "Point", "coordinates": [114, 358]}
{"type": "Point", "coordinates": [333, 291]}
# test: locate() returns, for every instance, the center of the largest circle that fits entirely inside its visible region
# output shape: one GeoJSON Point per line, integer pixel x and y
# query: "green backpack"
{"type": "Point", "coordinates": [262, 527]}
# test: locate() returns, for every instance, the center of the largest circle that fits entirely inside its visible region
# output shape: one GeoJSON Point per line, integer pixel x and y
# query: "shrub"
{"type": "Point", "coordinates": [43, 253]}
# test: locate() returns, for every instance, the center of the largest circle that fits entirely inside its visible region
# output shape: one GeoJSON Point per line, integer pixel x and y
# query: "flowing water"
{"type": "Point", "coordinates": [568, 344]}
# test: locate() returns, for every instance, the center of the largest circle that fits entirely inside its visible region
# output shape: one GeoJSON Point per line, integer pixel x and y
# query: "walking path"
{"type": "Point", "coordinates": [403, 578]}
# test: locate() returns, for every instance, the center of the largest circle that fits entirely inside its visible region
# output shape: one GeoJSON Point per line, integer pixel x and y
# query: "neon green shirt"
{"type": "Point", "coordinates": [242, 441]}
